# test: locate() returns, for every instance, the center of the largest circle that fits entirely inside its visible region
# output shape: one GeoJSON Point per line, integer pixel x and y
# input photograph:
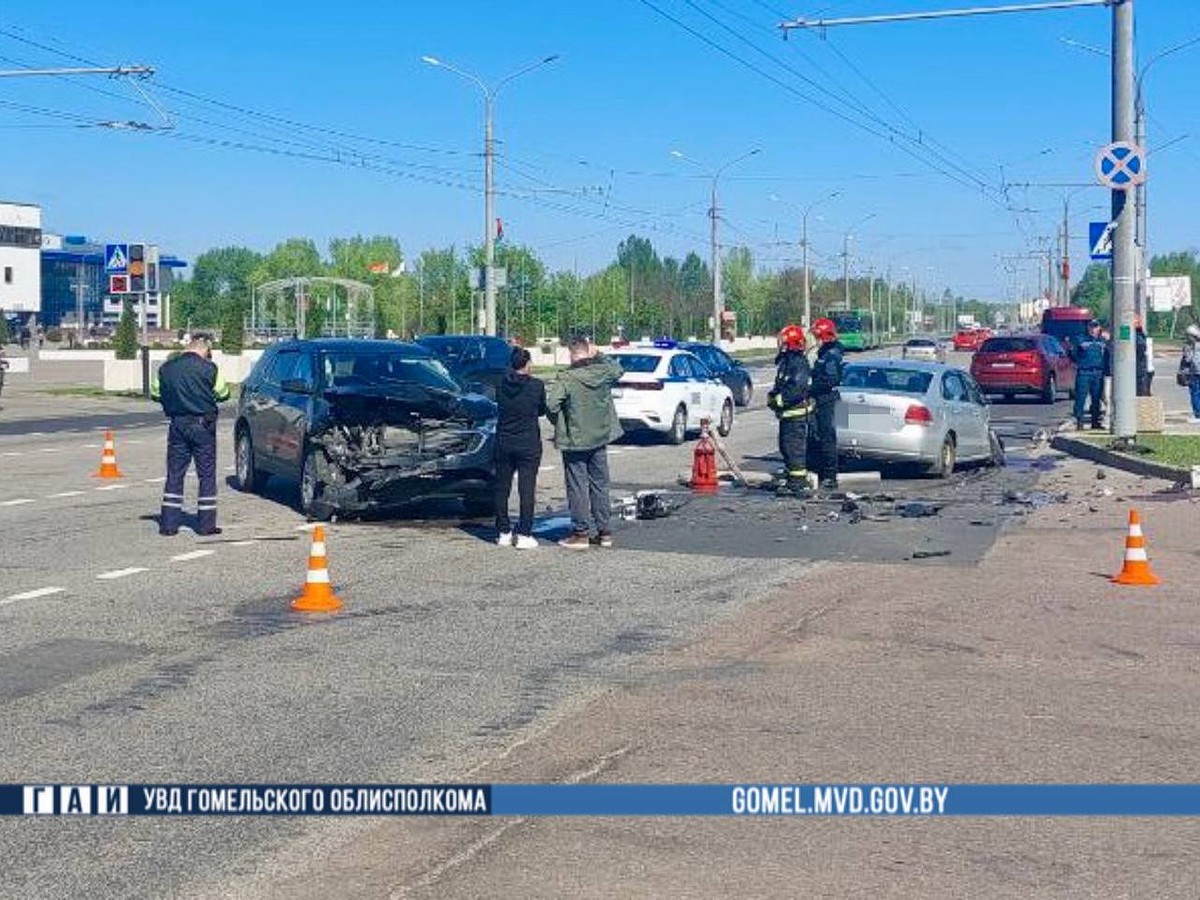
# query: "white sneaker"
{"type": "Point", "coordinates": [505, 539]}
{"type": "Point", "coordinates": [526, 542]}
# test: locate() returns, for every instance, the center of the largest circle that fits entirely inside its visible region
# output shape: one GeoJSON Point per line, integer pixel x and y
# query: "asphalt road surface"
{"type": "Point", "coordinates": [126, 657]}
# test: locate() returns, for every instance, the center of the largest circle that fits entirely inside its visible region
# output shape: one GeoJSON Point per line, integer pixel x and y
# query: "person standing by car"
{"type": "Point", "coordinates": [1141, 358]}
{"type": "Point", "coordinates": [521, 400]}
{"type": "Point", "coordinates": [580, 404]}
{"type": "Point", "coordinates": [826, 376]}
{"type": "Point", "coordinates": [1090, 354]}
{"type": "Point", "coordinates": [1189, 370]}
{"type": "Point", "coordinates": [790, 401]}
{"type": "Point", "coordinates": [189, 387]}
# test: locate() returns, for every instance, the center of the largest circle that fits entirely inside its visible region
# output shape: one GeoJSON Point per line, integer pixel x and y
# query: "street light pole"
{"type": "Point", "coordinates": [489, 194]}
{"type": "Point", "coordinates": [714, 212]}
{"type": "Point", "coordinates": [804, 245]}
{"type": "Point", "coordinates": [846, 255]}
{"type": "Point", "coordinates": [1124, 366]}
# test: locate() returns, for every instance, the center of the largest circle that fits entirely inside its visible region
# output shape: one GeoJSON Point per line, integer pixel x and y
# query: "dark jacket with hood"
{"type": "Point", "coordinates": [522, 401]}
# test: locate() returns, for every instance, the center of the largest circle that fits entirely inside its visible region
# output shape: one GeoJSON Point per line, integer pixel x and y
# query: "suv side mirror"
{"type": "Point", "coordinates": [296, 386]}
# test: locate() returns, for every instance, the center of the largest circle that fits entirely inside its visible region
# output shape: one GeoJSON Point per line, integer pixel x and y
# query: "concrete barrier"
{"type": "Point", "coordinates": [126, 374]}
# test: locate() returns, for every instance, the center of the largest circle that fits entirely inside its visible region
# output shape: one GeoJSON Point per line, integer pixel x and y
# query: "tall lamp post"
{"type": "Point", "coordinates": [846, 255]}
{"type": "Point", "coordinates": [714, 212]}
{"type": "Point", "coordinates": [489, 194]}
{"type": "Point", "coordinates": [804, 250]}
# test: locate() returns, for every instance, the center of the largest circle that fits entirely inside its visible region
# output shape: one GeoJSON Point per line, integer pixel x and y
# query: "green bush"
{"type": "Point", "coordinates": [126, 339]}
{"type": "Point", "coordinates": [233, 325]}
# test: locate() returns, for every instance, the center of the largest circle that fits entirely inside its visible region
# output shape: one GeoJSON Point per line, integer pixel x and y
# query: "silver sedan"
{"type": "Point", "coordinates": [926, 348]}
{"type": "Point", "coordinates": [904, 411]}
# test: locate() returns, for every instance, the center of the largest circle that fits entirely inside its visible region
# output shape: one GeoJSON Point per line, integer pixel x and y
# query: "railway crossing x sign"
{"type": "Point", "coordinates": [1121, 165]}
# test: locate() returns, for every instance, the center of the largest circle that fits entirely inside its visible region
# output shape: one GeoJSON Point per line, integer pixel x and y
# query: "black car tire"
{"type": "Point", "coordinates": [725, 423]}
{"type": "Point", "coordinates": [1050, 391]}
{"type": "Point", "coordinates": [745, 393]}
{"type": "Point", "coordinates": [947, 459]}
{"type": "Point", "coordinates": [249, 479]}
{"type": "Point", "coordinates": [311, 488]}
{"type": "Point", "coordinates": [678, 432]}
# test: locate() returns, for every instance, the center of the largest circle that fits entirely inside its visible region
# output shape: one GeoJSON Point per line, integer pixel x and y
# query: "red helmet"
{"type": "Point", "coordinates": [792, 337]}
{"type": "Point", "coordinates": [825, 330]}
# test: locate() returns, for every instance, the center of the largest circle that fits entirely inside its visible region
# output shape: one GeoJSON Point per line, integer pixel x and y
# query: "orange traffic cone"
{"type": "Point", "coordinates": [108, 460]}
{"type": "Point", "coordinates": [704, 463]}
{"type": "Point", "coordinates": [317, 595]}
{"type": "Point", "coordinates": [1136, 569]}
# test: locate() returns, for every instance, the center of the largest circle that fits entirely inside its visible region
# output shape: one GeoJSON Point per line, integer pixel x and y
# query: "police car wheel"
{"type": "Point", "coordinates": [678, 432]}
{"type": "Point", "coordinates": [243, 453]}
{"type": "Point", "coordinates": [725, 424]}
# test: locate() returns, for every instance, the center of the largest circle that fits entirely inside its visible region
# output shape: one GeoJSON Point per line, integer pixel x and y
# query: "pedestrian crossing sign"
{"type": "Point", "coordinates": [116, 258]}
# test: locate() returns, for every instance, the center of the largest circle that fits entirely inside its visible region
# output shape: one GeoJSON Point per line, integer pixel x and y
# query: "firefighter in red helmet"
{"type": "Point", "coordinates": [790, 401]}
{"type": "Point", "coordinates": [826, 377]}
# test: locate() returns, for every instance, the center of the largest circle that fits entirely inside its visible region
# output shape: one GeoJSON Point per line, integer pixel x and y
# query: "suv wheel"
{"type": "Point", "coordinates": [312, 488]}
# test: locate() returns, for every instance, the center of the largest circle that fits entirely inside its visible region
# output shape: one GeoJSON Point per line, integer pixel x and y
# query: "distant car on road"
{"type": "Point", "coordinates": [475, 361]}
{"type": "Point", "coordinates": [924, 348]}
{"type": "Point", "coordinates": [1024, 364]}
{"type": "Point", "coordinates": [730, 370]}
{"type": "Point", "coordinates": [926, 414]}
{"type": "Point", "coordinates": [970, 339]}
{"type": "Point", "coordinates": [668, 390]}
{"type": "Point", "coordinates": [362, 425]}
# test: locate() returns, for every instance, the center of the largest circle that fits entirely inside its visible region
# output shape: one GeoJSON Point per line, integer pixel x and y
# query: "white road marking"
{"type": "Point", "coordinates": [120, 573]}
{"type": "Point", "coordinates": [195, 554]}
{"type": "Point", "coordinates": [159, 480]}
{"type": "Point", "coordinates": [32, 595]}
{"type": "Point", "coordinates": [112, 487]}
{"type": "Point", "coordinates": [307, 526]}
{"type": "Point", "coordinates": [51, 449]}
{"type": "Point", "coordinates": [64, 494]}
{"type": "Point", "coordinates": [20, 501]}
{"type": "Point", "coordinates": [12, 453]}
{"type": "Point", "coordinates": [547, 468]}
{"type": "Point", "coordinates": [133, 441]}
{"type": "Point", "coordinates": [37, 434]}
{"type": "Point", "coordinates": [90, 447]}
{"type": "Point", "coordinates": [242, 543]}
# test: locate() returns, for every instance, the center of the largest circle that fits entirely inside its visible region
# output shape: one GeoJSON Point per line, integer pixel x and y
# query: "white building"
{"type": "Point", "coordinates": [20, 258]}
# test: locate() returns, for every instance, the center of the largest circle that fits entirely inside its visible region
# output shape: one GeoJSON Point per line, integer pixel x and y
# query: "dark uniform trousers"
{"type": "Point", "coordinates": [190, 438]}
{"type": "Point", "coordinates": [793, 443]}
{"type": "Point", "coordinates": [1089, 383]}
{"type": "Point", "coordinates": [822, 439]}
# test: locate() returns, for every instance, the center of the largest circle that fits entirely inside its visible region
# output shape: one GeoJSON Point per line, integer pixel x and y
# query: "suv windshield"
{"type": "Point", "coordinates": [347, 369]}
{"type": "Point", "coordinates": [886, 378]}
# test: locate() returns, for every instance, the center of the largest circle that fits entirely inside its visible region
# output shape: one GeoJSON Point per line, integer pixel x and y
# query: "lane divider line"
{"type": "Point", "coordinates": [307, 526]}
{"type": "Point", "coordinates": [159, 480]}
{"type": "Point", "coordinates": [31, 595]}
{"type": "Point", "coordinates": [18, 502]}
{"type": "Point", "coordinates": [12, 453]}
{"type": "Point", "coordinates": [195, 554]}
{"type": "Point", "coordinates": [50, 450]}
{"type": "Point", "coordinates": [112, 487]}
{"type": "Point", "coordinates": [120, 573]}
{"type": "Point", "coordinates": [64, 494]}
{"type": "Point", "coordinates": [242, 543]}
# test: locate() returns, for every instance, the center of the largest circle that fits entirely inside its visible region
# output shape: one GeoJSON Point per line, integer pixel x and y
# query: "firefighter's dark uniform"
{"type": "Point", "coordinates": [822, 436]}
{"type": "Point", "coordinates": [790, 400]}
{"type": "Point", "coordinates": [1091, 364]}
{"type": "Point", "coordinates": [189, 388]}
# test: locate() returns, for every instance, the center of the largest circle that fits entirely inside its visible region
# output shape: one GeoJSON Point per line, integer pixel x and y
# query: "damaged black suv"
{"type": "Point", "coordinates": [362, 425]}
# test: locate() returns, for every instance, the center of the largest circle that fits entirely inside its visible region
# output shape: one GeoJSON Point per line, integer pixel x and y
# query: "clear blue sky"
{"type": "Point", "coordinates": [586, 141]}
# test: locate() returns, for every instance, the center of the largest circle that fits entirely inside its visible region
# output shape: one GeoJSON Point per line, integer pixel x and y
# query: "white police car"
{"type": "Point", "coordinates": [670, 391]}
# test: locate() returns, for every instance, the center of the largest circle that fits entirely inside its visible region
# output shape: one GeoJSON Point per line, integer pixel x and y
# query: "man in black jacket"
{"type": "Point", "coordinates": [826, 377]}
{"type": "Point", "coordinates": [189, 388]}
{"type": "Point", "coordinates": [789, 399]}
{"type": "Point", "coordinates": [521, 400]}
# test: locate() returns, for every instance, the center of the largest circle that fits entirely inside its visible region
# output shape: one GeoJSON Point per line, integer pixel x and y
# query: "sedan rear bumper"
{"type": "Point", "coordinates": [912, 443]}
{"type": "Point", "coordinates": [1010, 382]}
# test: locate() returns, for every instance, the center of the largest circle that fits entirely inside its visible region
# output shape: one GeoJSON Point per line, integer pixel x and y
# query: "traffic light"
{"type": "Point", "coordinates": [137, 268]}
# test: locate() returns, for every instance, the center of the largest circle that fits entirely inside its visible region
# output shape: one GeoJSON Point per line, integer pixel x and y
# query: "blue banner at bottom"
{"type": "Point", "coordinates": [886, 800]}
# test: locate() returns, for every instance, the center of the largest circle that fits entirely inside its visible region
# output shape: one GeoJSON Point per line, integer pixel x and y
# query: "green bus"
{"type": "Point", "coordinates": [856, 329]}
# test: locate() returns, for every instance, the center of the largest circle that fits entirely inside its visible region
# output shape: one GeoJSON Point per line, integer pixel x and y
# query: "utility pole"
{"type": "Point", "coordinates": [489, 193]}
{"type": "Point", "coordinates": [1124, 395]}
{"type": "Point", "coordinates": [846, 268]}
{"type": "Point", "coordinates": [804, 249]}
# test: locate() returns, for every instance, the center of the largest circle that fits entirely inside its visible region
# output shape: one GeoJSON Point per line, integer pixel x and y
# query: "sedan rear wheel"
{"type": "Point", "coordinates": [678, 432]}
{"type": "Point", "coordinates": [725, 425]}
{"type": "Point", "coordinates": [947, 458]}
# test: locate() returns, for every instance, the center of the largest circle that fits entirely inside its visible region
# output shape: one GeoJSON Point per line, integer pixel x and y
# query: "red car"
{"type": "Point", "coordinates": [970, 339]}
{"type": "Point", "coordinates": [1024, 364]}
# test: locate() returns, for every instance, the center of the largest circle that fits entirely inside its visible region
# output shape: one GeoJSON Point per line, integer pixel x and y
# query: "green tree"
{"type": "Point", "coordinates": [125, 341]}
{"type": "Point", "coordinates": [1094, 290]}
{"type": "Point", "coordinates": [233, 327]}
{"type": "Point", "coordinates": [218, 275]}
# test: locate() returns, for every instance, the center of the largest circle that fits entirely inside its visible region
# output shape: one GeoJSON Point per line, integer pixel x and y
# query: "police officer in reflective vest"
{"type": "Point", "coordinates": [826, 377]}
{"type": "Point", "coordinates": [790, 400]}
{"type": "Point", "coordinates": [189, 388]}
{"type": "Point", "coordinates": [1090, 354]}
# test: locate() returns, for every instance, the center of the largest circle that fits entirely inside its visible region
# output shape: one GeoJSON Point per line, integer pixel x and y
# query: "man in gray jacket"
{"type": "Point", "coordinates": [585, 423]}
